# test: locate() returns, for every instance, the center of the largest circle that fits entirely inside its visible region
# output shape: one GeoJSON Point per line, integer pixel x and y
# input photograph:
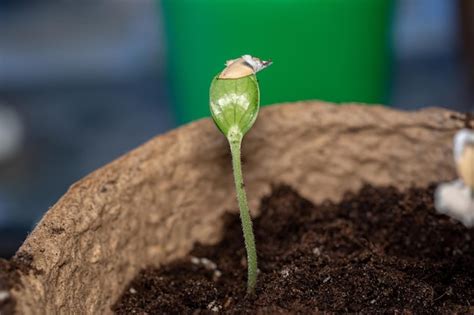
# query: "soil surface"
{"type": "Point", "coordinates": [380, 250]}
{"type": "Point", "coordinates": [10, 278]}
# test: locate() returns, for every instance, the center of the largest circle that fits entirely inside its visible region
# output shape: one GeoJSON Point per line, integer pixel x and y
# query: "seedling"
{"type": "Point", "coordinates": [234, 104]}
{"type": "Point", "coordinates": [456, 199]}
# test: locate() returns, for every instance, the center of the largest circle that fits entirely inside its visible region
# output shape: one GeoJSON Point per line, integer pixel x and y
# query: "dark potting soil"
{"type": "Point", "coordinates": [10, 278]}
{"type": "Point", "coordinates": [380, 250]}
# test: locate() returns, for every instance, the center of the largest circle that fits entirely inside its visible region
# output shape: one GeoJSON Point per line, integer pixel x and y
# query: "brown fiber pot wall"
{"type": "Point", "coordinates": [151, 205]}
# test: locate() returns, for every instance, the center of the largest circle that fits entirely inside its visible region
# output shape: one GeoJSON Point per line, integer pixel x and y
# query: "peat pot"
{"type": "Point", "coordinates": [151, 205]}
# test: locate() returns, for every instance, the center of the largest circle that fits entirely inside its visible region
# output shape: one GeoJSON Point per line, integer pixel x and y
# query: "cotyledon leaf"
{"type": "Point", "coordinates": [234, 103]}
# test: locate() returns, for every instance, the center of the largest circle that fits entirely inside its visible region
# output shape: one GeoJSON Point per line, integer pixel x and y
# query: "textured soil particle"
{"type": "Point", "coordinates": [380, 250]}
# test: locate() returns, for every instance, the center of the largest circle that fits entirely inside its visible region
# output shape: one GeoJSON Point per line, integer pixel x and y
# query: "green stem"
{"type": "Point", "coordinates": [235, 140]}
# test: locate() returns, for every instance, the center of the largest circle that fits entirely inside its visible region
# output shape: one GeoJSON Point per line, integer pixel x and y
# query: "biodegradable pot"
{"type": "Point", "coordinates": [150, 206]}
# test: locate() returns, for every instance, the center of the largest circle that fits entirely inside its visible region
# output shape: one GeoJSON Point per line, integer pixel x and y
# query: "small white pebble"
{"type": "Point", "coordinates": [327, 279]}
{"type": "Point", "coordinates": [317, 251]}
{"type": "Point", "coordinates": [285, 272]}
{"type": "Point", "coordinates": [373, 301]}
{"type": "Point", "coordinates": [195, 260]}
{"type": "Point", "coordinates": [215, 309]}
{"type": "Point", "coordinates": [4, 295]}
{"type": "Point", "coordinates": [133, 291]}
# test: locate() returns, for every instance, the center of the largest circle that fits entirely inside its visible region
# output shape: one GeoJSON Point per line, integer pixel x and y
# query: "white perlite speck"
{"type": "Point", "coordinates": [205, 262]}
{"type": "Point", "coordinates": [4, 295]}
{"type": "Point", "coordinates": [213, 306]}
{"type": "Point", "coordinates": [208, 264]}
{"type": "Point", "coordinates": [217, 274]}
{"type": "Point", "coordinates": [285, 272]}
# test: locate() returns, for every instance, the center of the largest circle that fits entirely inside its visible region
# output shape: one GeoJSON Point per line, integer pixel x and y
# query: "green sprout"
{"type": "Point", "coordinates": [234, 104]}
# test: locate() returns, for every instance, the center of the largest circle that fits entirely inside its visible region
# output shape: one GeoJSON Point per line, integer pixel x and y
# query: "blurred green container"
{"type": "Point", "coordinates": [334, 50]}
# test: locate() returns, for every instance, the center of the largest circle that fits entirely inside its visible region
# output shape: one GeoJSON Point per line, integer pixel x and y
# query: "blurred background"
{"type": "Point", "coordinates": [83, 82]}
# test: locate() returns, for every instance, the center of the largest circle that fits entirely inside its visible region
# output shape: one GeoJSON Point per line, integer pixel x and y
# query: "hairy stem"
{"type": "Point", "coordinates": [235, 140]}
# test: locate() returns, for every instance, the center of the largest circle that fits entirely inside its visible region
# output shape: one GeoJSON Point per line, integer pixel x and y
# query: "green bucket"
{"type": "Point", "coordinates": [334, 50]}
